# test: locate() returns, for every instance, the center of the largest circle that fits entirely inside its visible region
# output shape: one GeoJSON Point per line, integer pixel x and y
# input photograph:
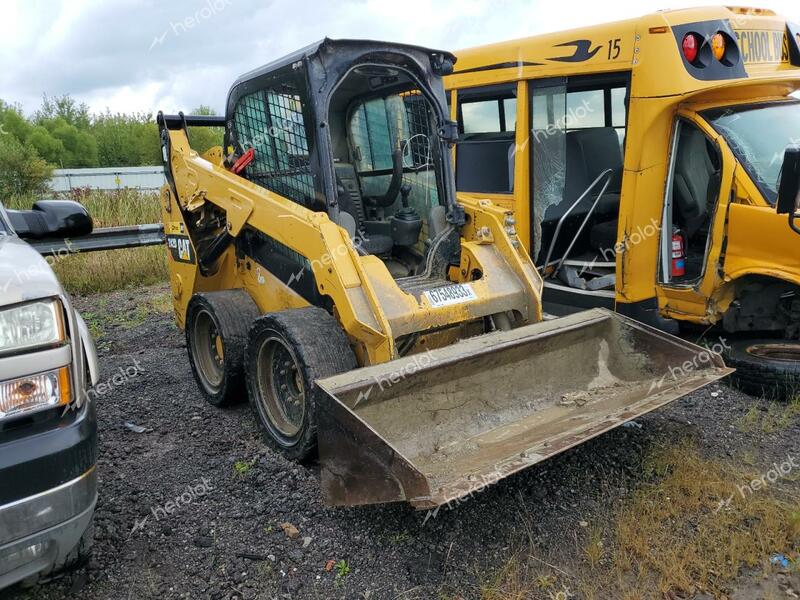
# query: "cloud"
{"type": "Point", "coordinates": [134, 56]}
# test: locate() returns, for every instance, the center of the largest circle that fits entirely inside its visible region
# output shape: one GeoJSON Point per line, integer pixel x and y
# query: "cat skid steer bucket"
{"type": "Point", "coordinates": [435, 427]}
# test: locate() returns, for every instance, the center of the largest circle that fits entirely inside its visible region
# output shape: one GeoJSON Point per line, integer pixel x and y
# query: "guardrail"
{"type": "Point", "coordinates": [105, 238]}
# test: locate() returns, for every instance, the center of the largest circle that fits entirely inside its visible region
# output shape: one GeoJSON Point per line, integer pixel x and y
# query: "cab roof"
{"type": "Point", "coordinates": [326, 45]}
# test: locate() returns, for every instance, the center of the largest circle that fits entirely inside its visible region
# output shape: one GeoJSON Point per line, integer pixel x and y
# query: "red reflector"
{"type": "Point", "coordinates": [690, 47]}
{"type": "Point", "coordinates": [244, 160]}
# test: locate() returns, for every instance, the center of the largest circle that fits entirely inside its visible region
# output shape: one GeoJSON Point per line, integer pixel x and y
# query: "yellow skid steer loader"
{"type": "Point", "coordinates": [321, 267]}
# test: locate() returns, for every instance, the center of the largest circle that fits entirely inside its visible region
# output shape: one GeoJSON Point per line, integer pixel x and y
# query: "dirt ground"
{"type": "Point", "coordinates": [193, 505]}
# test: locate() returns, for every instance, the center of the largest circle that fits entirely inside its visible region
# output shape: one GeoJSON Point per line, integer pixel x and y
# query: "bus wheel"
{"type": "Point", "coordinates": [767, 368]}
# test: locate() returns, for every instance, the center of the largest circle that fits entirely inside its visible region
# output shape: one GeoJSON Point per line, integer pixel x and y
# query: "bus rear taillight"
{"type": "Point", "coordinates": [691, 46]}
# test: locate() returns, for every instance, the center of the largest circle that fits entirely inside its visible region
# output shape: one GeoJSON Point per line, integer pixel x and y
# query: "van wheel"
{"type": "Point", "coordinates": [766, 368]}
{"type": "Point", "coordinates": [286, 353]}
{"type": "Point", "coordinates": [216, 335]}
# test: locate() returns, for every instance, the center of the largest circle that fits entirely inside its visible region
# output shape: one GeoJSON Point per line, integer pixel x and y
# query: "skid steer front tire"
{"type": "Point", "coordinates": [286, 353]}
{"type": "Point", "coordinates": [216, 335]}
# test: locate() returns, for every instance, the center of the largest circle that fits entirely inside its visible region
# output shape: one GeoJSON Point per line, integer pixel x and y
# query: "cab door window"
{"type": "Point", "coordinates": [377, 127]}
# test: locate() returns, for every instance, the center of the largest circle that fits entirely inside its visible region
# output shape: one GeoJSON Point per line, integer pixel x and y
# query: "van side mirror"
{"type": "Point", "coordinates": [789, 187]}
{"type": "Point", "coordinates": [51, 219]}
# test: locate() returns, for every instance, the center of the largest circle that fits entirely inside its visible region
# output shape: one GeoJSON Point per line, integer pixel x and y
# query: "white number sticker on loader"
{"type": "Point", "coordinates": [452, 294]}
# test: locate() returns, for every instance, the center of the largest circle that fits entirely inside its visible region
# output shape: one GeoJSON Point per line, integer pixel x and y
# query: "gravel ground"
{"type": "Point", "coordinates": [221, 536]}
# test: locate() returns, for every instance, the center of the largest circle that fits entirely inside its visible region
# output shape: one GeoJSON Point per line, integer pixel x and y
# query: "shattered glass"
{"type": "Point", "coordinates": [549, 149]}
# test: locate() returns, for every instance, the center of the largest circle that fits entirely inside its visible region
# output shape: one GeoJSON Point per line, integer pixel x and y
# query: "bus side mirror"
{"type": "Point", "coordinates": [789, 188]}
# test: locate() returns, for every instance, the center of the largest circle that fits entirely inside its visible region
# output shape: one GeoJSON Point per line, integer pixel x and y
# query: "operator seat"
{"type": "Point", "coordinates": [352, 203]}
{"type": "Point", "coordinates": [695, 181]}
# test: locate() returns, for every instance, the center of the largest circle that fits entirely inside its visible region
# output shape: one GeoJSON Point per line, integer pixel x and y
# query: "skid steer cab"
{"type": "Point", "coordinates": [321, 267]}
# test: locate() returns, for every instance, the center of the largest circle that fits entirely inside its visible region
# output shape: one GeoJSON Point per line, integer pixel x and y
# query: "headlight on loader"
{"type": "Point", "coordinates": [35, 392]}
{"type": "Point", "coordinates": [31, 325]}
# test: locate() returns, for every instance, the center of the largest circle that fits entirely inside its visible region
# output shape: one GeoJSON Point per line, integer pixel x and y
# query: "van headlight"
{"type": "Point", "coordinates": [31, 325]}
{"type": "Point", "coordinates": [35, 392]}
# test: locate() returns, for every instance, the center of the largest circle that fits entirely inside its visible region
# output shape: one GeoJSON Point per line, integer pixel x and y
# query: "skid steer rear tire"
{"type": "Point", "coordinates": [286, 353]}
{"type": "Point", "coordinates": [768, 368]}
{"type": "Point", "coordinates": [217, 323]}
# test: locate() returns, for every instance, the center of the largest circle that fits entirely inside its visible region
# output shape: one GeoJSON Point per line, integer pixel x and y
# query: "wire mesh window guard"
{"type": "Point", "coordinates": [272, 123]}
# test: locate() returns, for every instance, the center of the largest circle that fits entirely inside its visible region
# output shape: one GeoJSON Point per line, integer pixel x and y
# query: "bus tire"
{"type": "Point", "coordinates": [768, 368]}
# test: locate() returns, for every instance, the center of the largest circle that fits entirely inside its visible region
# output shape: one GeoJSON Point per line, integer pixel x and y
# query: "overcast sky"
{"type": "Point", "coordinates": [131, 56]}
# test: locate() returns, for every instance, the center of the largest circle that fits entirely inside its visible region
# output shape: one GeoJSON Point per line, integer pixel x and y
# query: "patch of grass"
{"type": "Point", "coordinates": [687, 528]}
{"type": "Point", "coordinates": [690, 528]}
{"type": "Point", "coordinates": [515, 581]}
{"type": "Point", "coordinates": [162, 303]}
{"type": "Point", "coordinates": [749, 422]}
{"type": "Point", "coordinates": [342, 569]}
{"type": "Point", "coordinates": [102, 319]}
{"type": "Point", "coordinates": [95, 324]}
{"type": "Point", "coordinates": [242, 467]}
{"type": "Point", "coordinates": [399, 537]}
{"type": "Point", "coordinates": [112, 270]}
{"type": "Point", "coordinates": [594, 549]}
{"type": "Point", "coordinates": [767, 416]}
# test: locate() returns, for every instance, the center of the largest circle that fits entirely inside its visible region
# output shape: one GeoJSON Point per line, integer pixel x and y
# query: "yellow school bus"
{"type": "Point", "coordinates": [642, 162]}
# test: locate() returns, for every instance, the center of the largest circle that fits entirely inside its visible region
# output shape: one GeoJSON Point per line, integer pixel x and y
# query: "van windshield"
{"type": "Point", "coordinates": [758, 135]}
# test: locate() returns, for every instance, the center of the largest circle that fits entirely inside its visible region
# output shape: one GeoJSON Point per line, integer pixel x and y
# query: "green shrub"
{"type": "Point", "coordinates": [22, 170]}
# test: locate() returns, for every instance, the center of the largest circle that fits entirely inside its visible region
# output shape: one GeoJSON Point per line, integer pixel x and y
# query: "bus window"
{"type": "Point", "coordinates": [577, 152]}
{"type": "Point", "coordinates": [481, 117]}
{"type": "Point", "coordinates": [487, 119]}
{"type": "Point", "coordinates": [598, 108]}
{"type": "Point", "coordinates": [585, 109]}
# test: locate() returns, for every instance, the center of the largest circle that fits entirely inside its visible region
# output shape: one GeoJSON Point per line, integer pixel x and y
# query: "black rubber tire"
{"type": "Point", "coordinates": [320, 348]}
{"type": "Point", "coordinates": [763, 376]}
{"type": "Point", "coordinates": [232, 312]}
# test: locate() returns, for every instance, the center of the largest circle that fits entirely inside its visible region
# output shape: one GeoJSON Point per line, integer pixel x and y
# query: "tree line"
{"type": "Point", "coordinates": [64, 134]}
